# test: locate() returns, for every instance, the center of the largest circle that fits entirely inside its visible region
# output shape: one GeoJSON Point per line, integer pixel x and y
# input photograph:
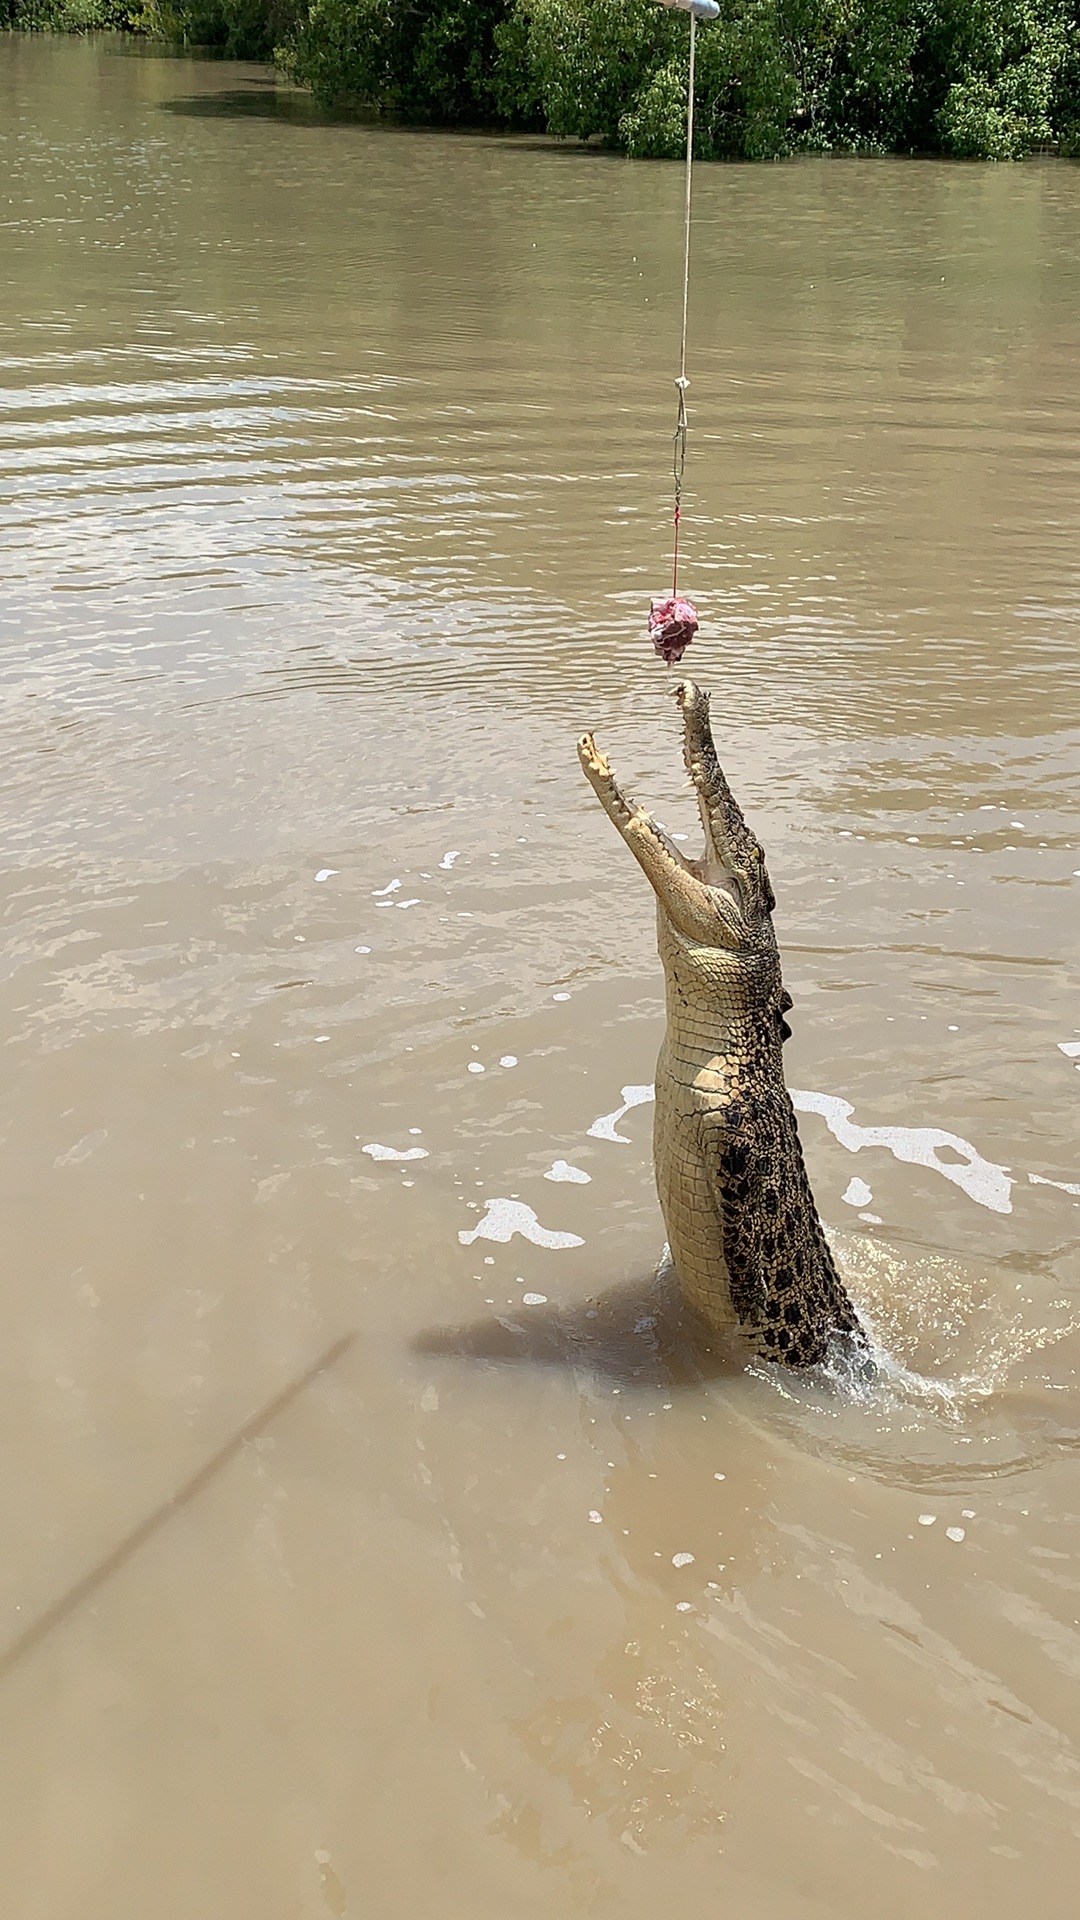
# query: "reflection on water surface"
{"type": "Point", "coordinates": [337, 488]}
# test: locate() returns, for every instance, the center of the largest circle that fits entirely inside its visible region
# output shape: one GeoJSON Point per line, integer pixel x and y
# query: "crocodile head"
{"type": "Point", "coordinates": [715, 912]}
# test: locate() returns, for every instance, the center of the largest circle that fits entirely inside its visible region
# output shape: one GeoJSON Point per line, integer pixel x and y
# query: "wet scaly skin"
{"type": "Point", "coordinates": [749, 1250]}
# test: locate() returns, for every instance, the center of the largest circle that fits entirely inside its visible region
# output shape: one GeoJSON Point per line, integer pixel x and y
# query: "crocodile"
{"type": "Point", "coordinates": [748, 1248]}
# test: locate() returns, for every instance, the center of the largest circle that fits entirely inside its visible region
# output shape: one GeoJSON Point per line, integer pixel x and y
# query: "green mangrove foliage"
{"type": "Point", "coordinates": [425, 60]}
{"type": "Point", "coordinates": [992, 79]}
{"type": "Point", "coordinates": [245, 29]}
{"type": "Point", "coordinates": [70, 16]}
{"type": "Point", "coordinates": [239, 29]}
{"type": "Point", "coordinates": [988, 79]}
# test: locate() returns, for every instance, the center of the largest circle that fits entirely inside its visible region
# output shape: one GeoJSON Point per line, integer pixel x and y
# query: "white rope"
{"type": "Point", "coordinates": [682, 382]}
{"type": "Point", "coordinates": [689, 184]}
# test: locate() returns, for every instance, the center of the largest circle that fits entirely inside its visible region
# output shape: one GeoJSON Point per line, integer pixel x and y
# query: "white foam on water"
{"type": "Point", "coordinates": [1063, 1186]}
{"type": "Point", "coordinates": [508, 1060]}
{"type": "Point", "coordinates": [475, 1067]}
{"type": "Point", "coordinates": [390, 887]}
{"type": "Point", "coordinates": [535, 1299]}
{"type": "Point", "coordinates": [326, 873]}
{"type": "Point", "coordinates": [605, 1127]}
{"type": "Point", "coordinates": [406, 903]}
{"type": "Point", "coordinates": [562, 1170]}
{"type": "Point", "coordinates": [82, 1148]}
{"type": "Point", "coordinates": [1070, 1048]}
{"type": "Point", "coordinates": [982, 1180]}
{"type": "Point", "coordinates": [448, 859]}
{"type": "Point", "coordinates": [504, 1218]}
{"type": "Point", "coordinates": [361, 949]}
{"type": "Point", "coordinates": [378, 1152]}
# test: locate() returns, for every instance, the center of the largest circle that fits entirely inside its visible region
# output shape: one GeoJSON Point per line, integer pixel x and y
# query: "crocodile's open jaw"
{"type": "Point", "coordinates": [710, 899]}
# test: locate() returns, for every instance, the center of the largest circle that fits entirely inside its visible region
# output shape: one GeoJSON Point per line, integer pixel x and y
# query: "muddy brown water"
{"type": "Point", "coordinates": [355, 1562]}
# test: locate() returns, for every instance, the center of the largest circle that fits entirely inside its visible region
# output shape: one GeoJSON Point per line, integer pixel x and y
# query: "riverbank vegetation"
{"type": "Point", "coordinates": [979, 79]}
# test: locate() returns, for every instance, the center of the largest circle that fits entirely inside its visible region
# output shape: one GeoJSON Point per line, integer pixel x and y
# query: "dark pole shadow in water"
{"type": "Point", "coordinates": [638, 1334]}
{"type": "Point", "coordinates": [118, 1556]}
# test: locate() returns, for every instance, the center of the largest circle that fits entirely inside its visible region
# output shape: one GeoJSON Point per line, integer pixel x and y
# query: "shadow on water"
{"type": "Point", "coordinates": [638, 1334]}
{"type": "Point", "coordinates": [945, 1428]}
{"type": "Point", "coordinates": [291, 106]}
{"type": "Point", "coordinates": [288, 105]}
